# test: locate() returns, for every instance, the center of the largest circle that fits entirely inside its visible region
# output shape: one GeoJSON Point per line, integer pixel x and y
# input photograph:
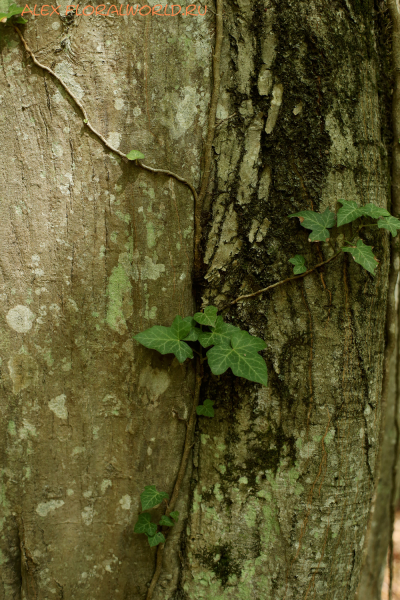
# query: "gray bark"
{"type": "Point", "coordinates": [93, 250]}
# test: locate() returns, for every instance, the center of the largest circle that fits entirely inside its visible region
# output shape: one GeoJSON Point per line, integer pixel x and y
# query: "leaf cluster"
{"type": "Point", "coordinates": [13, 13]}
{"type": "Point", "coordinates": [320, 223]}
{"type": "Point", "coordinates": [151, 498]}
{"type": "Point", "coordinates": [228, 346]}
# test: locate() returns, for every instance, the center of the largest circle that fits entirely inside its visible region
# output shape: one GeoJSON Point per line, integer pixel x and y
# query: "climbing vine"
{"type": "Point", "coordinates": [206, 336]}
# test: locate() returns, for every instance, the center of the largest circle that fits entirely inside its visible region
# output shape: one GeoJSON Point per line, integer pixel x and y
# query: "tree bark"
{"type": "Point", "coordinates": [94, 249]}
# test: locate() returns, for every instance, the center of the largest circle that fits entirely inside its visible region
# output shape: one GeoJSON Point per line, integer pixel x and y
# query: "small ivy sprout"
{"type": "Point", "coordinates": [299, 264]}
{"type": "Point", "coordinates": [151, 498]}
{"type": "Point", "coordinates": [206, 409]}
{"type": "Point", "coordinates": [134, 155]}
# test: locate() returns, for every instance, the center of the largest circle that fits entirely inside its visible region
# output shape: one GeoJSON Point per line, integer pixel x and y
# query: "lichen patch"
{"type": "Point", "coordinates": [20, 318]}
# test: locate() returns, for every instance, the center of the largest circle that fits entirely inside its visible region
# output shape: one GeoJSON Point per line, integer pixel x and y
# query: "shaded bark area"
{"type": "Point", "coordinates": [284, 476]}
{"type": "Point", "coordinates": [379, 542]}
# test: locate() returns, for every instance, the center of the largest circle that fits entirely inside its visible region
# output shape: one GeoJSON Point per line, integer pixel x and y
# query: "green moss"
{"type": "Point", "coordinates": [11, 428]}
{"type": "Point", "coordinates": [219, 560]}
{"type": "Point", "coordinates": [119, 286]}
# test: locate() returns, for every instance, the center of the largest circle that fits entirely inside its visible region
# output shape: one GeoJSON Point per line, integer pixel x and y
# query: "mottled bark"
{"type": "Point", "coordinates": [93, 250]}
{"type": "Point", "coordinates": [379, 539]}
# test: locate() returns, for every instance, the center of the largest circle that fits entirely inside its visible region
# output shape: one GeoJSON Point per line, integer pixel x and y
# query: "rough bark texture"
{"type": "Point", "coordinates": [93, 250]}
{"type": "Point", "coordinates": [379, 540]}
{"type": "Point", "coordinates": [285, 474]}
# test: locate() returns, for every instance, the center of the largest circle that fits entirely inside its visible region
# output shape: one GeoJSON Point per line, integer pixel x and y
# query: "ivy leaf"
{"type": "Point", "coordinates": [371, 210]}
{"type": "Point", "coordinates": [151, 498]}
{"type": "Point", "coordinates": [363, 255]}
{"type": "Point", "coordinates": [319, 223]}
{"type": "Point", "coordinates": [221, 334]}
{"type": "Point", "coordinates": [299, 263]}
{"type": "Point", "coordinates": [166, 521]}
{"type": "Point", "coordinates": [20, 20]}
{"type": "Point", "coordinates": [134, 155]}
{"type": "Point", "coordinates": [193, 333]}
{"type": "Point", "coordinates": [167, 340]}
{"type": "Point", "coordinates": [241, 356]}
{"type": "Point", "coordinates": [208, 317]}
{"type": "Point", "coordinates": [390, 223]}
{"type": "Point", "coordinates": [206, 409]}
{"type": "Point", "coordinates": [181, 327]}
{"type": "Point", "coordinates": [349, 212]}
{"type": "Point", "coordinates": [144, 525]}
{"type": "Point", "coordinates": [156, 539]}
{"type": "Point", "coordinates": [174, 514]}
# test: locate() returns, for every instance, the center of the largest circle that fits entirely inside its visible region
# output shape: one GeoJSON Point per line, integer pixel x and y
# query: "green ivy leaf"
{"type": "Point", "coordinates": [221, 334]}
{"type": "Point", "coordinates": [156, 539]}
{"type": "Point", "coordinates": [363, 255]}
{"type": "Point", "coordinates": [349, 212]}
{"type": "Point", "coordinates": [20, 20]}
{"type": "Point", "coordinates": [174, 514]}
{"type": "Point", "coordinates": [193, 333]}
{"type": "Point", "coordinates": [166, 521]}
{"type": "Point", "coordinates": [208, 317]}
{"type": "Point", "coordinates": [241, 356]}
{"type": "Point", "coordinates": [206, 409]}
{"type": "Point", "coordinates": [181, 327]}
{"type": "Point", "coordinates": [144, 525]}
{"type": "Point", "coordinates": [373, 211]}
{"type": "Point", "coordinates": [299, 263]}
{"type": "Point", "coordinates": [390, 223]}
{"type": "Point", "coordinates": [150, 497]}
{"type": "Point", "coordinates": [167, 340]}
{"type": "Point", "coordinates": [317, 222]}
{"type": "Point", "coordinates": [134, 155]}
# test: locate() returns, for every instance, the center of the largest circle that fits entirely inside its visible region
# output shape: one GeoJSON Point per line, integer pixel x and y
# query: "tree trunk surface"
{"type": "Point", "coordinates": [94, 249]}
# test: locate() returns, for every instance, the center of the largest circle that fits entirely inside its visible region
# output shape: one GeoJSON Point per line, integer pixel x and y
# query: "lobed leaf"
{"type": "Point", "coordinates": [174, 514]}
{"type": "Point", "coordinates": [319, 223]}
{"type": "Point", "coordinates": [363, 255]}
{"type": "Point", "coordinates": [241, 356]}
{"type": "Point", "coordinates": [168, 340]}
{"type": "Point", "coordinates": [181, 327]}
{"type": "Point", "coordinates": [299, 263]}
{"type": "Point", "coordinates": [15, 10]}
{"type": "Point", "coordinates": [166, 521]}
{"type": "Point", "coordinates": [349, 212]}
{"type": "Point", "coordinates": [221, 334]}
{"type": "Point", "coordinates": [374, 211]}
{"type": "Point", "coordinates": [156, 539]}
{"type": "Point", "coordinates": [208, 317]}
{"type": "Point", "coordinates": [134, 155]}
{"type": "Point", "coordinates": [390, 223]}
{"type": "Point", "coordinates": [206, 409]}
{"type": "Point", "coordinates": [144, 525]}
{"type": "Point", "coordinates": [151, 498]}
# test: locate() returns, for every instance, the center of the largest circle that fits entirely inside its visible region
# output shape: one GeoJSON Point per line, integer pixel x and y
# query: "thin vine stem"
{"type": "Point", "coordinates": [93, 129]}
{"type": "Point", "coordinates": [181, 473]}
{"type": "Point", "coordinates": [210, 136]}
{"type": "Point", "coordinates": [274, 285]}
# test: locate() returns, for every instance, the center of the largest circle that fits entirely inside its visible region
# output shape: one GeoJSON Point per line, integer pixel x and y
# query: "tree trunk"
{"type": "Point", "coordinates": [95, 249]}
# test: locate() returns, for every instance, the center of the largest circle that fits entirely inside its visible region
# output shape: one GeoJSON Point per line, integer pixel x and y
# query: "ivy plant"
{"type": "Point", "coordinates": [151, 498]}
{"type": "Point", "coordinates": [229, 346]}
{"type": "Point", "coordinates": [320, 223]}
